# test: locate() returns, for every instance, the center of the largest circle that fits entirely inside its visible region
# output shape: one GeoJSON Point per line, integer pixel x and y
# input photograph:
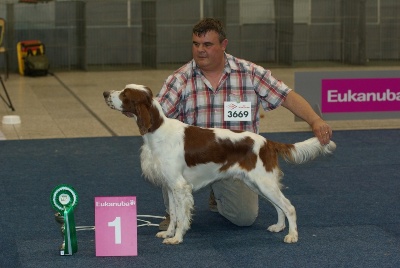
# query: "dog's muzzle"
{"type": "Point", "coordinates": [107, 98]}
{"type": "Point", "coordinates": [106, 94]}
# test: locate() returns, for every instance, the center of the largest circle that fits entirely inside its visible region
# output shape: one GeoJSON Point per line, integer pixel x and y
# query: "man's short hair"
{"type": "Point", "coordinates": [210, 24]}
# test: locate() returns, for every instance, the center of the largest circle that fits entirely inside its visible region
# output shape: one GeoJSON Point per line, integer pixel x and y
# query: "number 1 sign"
{"type": "Point", "coordinates": [116, 226]}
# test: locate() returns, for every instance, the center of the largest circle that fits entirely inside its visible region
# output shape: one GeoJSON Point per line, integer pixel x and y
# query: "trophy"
{"type": "Point", "coordinates": [64, 200]}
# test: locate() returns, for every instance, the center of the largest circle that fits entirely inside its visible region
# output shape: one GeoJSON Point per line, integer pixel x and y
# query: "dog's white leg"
{"type": "Point", "coordinates": [269, 189]}
{"type": "Point", "coordinates": [184, 205]}
{"type": "Point", "coordinates": [290, 212]}
{"type": "Point", "coordinates": [280, 225]}
{"type": "Point", "coordinates": [280, 201]}
{"type": "Point", "coordinates": [170, 232]}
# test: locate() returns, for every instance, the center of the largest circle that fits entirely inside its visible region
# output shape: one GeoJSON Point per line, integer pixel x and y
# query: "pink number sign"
{"type": "Point", "coordinates": [116, 226]}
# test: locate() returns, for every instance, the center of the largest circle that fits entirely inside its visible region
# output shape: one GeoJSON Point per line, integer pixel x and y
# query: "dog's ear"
{"type": "Point", "coordinates": [143, 118]}
{"type": "Point", "coordinates": [140, 102]}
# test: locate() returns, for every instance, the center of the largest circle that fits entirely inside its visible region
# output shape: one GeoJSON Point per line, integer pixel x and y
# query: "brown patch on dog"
{"type": "Point", "coordinates": [201, 147]}
{"type": "Point", "coordinates": [270, 151]}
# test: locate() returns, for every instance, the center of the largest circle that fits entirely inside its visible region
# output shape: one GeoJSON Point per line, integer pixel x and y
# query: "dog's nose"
{"type": "Point", "coordinates": [106, 94]}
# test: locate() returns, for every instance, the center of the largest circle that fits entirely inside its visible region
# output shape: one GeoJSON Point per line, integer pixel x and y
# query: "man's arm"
{"type": "Point", "coordinates": [301, 108]}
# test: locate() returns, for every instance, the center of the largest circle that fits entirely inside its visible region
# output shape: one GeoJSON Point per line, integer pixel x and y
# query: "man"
{"type": "Point", "coordinates": [196, 92]}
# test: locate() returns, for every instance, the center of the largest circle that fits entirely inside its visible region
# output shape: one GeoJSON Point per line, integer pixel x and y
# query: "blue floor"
{"type": "Point", "coordinates": [347, 206]}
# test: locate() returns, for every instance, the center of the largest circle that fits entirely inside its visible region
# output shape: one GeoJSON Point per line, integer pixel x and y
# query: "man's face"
{"type": "Point", "coordinates": [208, 51]}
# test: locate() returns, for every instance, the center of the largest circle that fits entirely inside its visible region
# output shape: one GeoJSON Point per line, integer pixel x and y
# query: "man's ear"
{"type": "Point", "coordinates": [224, 44]}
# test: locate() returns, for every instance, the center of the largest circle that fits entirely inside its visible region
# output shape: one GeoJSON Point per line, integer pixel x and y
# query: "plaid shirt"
{"type": "Point", "coordinates": [189, 97]}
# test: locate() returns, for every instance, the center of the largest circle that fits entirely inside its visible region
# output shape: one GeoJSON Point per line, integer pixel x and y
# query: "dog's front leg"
{"type": "Point", "coordinates": [183, 198]}
{"type": "Point", "coordinates": [170, 232]}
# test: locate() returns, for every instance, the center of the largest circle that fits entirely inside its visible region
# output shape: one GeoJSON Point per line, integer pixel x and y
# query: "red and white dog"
{"type": "Point", "coordinates": [184, 158]}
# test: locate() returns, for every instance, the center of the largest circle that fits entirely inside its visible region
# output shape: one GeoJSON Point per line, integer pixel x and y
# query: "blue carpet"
{"type": "Point", "coordinates": [347, 206]}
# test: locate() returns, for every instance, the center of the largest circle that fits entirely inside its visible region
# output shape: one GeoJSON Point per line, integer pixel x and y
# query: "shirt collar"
{"type": "Point", "coordinates": [230, 65]}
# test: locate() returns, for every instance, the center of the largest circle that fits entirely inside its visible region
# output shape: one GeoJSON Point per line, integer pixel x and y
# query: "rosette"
{"type": "Point", "coordinates": [63, 197]}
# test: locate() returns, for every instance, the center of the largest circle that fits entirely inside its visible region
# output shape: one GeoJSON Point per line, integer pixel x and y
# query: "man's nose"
{"type": "Point", "coordinates": [201, 47]}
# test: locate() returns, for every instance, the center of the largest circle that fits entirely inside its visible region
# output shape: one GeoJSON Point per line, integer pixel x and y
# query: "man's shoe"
{"type": "Point", "coordinates": [163, 226]}
{"type": "Point", "coordinates": [212, 204]}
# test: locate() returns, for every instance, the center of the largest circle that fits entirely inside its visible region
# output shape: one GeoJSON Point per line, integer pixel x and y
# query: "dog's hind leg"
{"type": "Point", "coordinates": [183, 198]}
{"type": "Point", "coordinates": [280, 225]}
{"type": "Point", "coordinates": [284, 208]}
{"type": "Point", "coordinates": [269, 189]}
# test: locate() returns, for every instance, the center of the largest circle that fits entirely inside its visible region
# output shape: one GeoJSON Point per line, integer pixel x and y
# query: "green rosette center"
{"type": "Point", "coordinates": [63, 197]}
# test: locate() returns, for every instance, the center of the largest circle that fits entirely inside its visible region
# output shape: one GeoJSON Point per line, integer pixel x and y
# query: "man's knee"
{"type": "Point", "coordinates": [239, 213]}
{"type": "Point", "coordinates": [246, 218]}
{"type": "Point", "coordinates": [236, 202]}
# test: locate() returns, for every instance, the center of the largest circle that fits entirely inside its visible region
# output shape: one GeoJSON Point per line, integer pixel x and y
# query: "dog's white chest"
{"type": "Point", "coordinates": [151, 165]}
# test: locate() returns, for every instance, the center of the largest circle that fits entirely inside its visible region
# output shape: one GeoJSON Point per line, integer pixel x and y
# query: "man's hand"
{"type": "Point", "coordinates": [300, 107]}
{"type": "Point", "coordinates": [322, 131]}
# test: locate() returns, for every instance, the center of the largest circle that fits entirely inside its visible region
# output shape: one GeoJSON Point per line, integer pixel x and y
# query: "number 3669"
{"type": "Point", "coordinates": [236, 114]}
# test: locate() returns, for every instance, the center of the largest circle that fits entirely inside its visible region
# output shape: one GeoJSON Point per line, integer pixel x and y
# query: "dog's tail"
{"type": "Point", "coordinates": [304, 151]}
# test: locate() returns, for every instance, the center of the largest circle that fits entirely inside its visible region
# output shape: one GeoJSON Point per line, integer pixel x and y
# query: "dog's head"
{"type": "Point", "coordinates": [133, 101]}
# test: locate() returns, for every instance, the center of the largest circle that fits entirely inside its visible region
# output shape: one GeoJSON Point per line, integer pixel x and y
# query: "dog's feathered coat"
{"type": "Point", "coordinates": [184, 158]}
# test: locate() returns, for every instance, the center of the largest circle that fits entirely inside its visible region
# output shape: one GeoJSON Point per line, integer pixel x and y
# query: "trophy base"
{"type": "Point", "coordinates": [62, 253]}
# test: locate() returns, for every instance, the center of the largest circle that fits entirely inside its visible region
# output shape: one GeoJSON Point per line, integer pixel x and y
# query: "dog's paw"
{"type": "Point", "coordinates": [275, 228]}
{"type": "Point", "coordinates": [291, 238]}
{"type": "Point", "coordinates": [162, 234]}
{"type": "Point", "coordinates": [172, 241]}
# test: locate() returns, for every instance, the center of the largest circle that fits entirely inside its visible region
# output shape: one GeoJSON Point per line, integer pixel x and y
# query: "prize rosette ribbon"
{"type": "Point", "coordinates": [64, 200]}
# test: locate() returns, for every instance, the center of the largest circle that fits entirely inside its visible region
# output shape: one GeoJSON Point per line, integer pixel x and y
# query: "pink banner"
{"type": "Point", "coordinates": [360, 95]}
